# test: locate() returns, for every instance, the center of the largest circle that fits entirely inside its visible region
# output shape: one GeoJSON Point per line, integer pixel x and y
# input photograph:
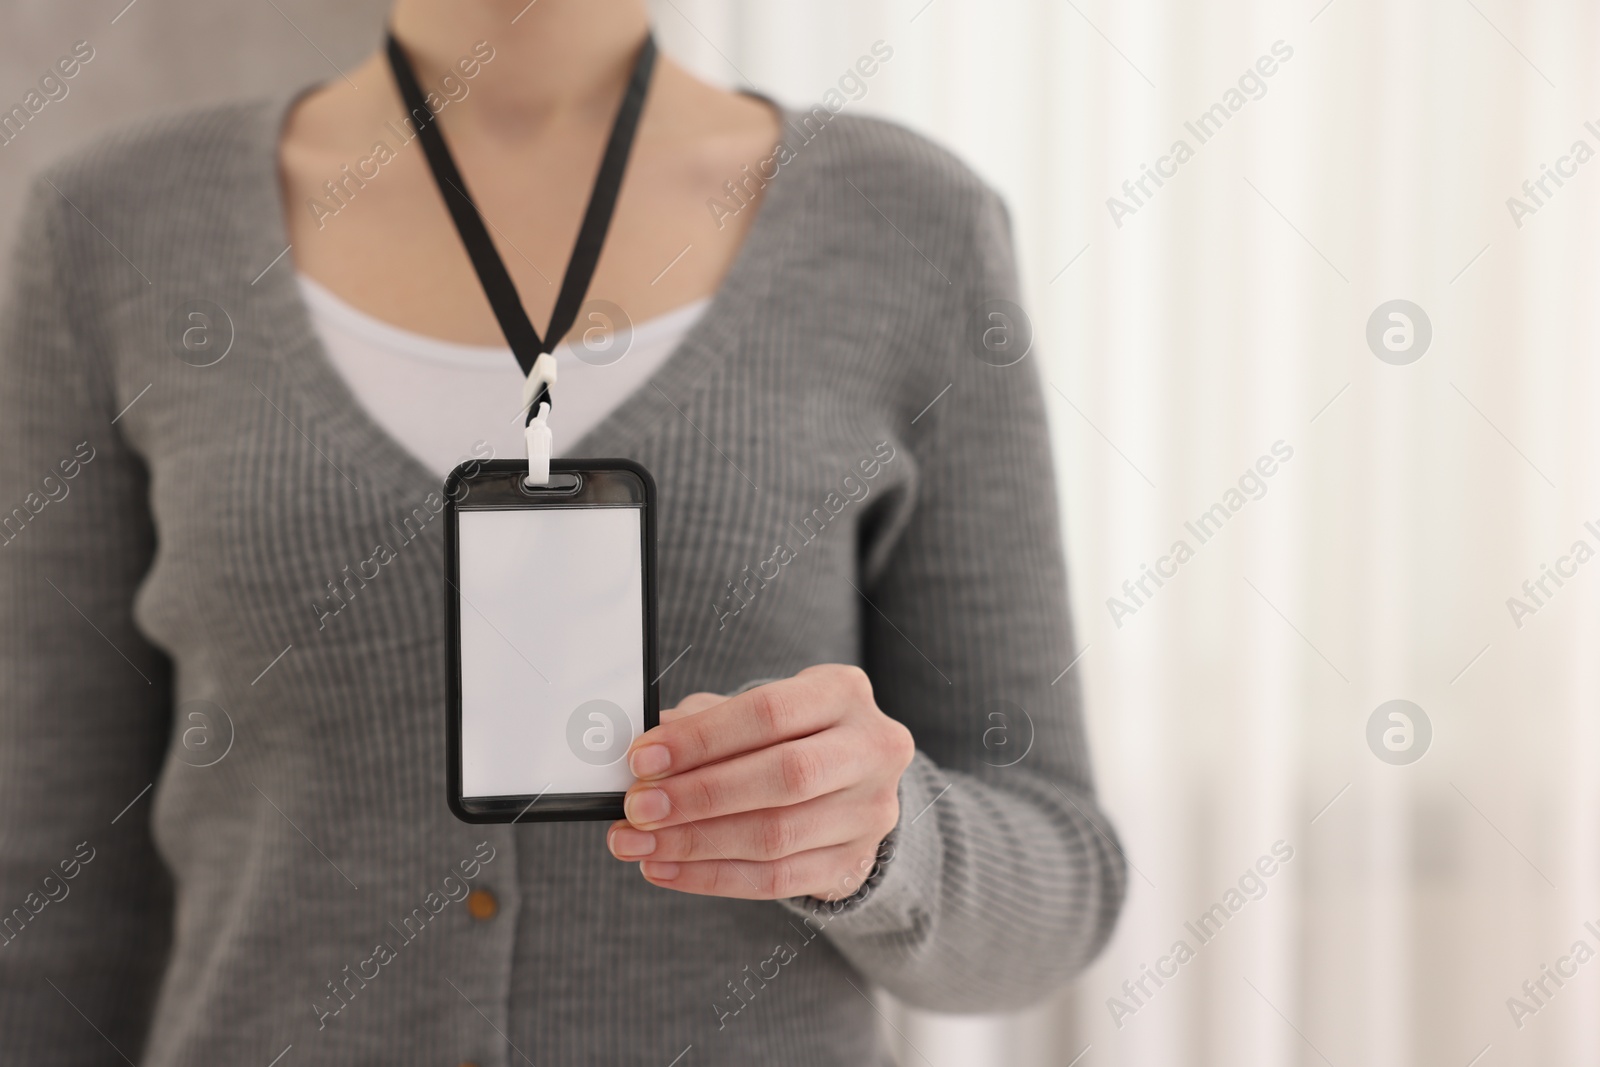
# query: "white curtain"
{"type": "Point", "coordinates": [1229, 312]}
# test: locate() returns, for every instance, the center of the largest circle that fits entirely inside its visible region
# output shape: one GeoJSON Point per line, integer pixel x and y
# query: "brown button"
{"type": "Point", "coordinates": [468, 1063]}
{"type": "Point", "coordinates": [482, 906]}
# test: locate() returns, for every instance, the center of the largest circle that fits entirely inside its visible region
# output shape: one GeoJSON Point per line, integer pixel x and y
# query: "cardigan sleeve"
{"type": "Point", "coordinates": [1003, 878]}
{"type": "Point", "coordinates": [85, 902]}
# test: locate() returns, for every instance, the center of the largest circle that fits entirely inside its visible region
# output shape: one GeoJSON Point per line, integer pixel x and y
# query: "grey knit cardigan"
{"type": "Point", "coordinates": [223, 829]}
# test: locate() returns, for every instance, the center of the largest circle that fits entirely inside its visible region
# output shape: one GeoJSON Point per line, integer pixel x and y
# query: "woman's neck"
{"type": "Point", "coordinates": [528, 127]}
{"type": "Point", "coordinates": [552, 58]}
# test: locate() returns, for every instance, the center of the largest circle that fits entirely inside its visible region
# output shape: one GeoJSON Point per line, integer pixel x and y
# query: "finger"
{"type": "Point", "coordinates": [759, 717]}
{"type": "Point", "coordinates": [691, 705]}
{"type": "Point", "coordinates": [770, 834]}
{"type": "Point", "coordinates": [836, 870]}
{"type": "Point", "coordinates": [775, 777]}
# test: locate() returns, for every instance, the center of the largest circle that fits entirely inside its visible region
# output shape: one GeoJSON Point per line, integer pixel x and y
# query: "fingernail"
{"type": "Point", "coordinates": [647, 806]}
{"type": "Point", "coordinates": [659, 872]}
{"type": "Point", "coordinates": [649, 761]}
{"type": "Point", "coordinates": [629, 844]}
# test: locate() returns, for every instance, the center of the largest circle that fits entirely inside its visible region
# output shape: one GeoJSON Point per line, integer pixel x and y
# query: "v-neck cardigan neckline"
{"type": "Point", "coordinates": [298, 353]}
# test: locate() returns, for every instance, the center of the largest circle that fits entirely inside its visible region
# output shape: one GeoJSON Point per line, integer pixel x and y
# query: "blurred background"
{"type": "Point", "coordinates": [1441, 452]}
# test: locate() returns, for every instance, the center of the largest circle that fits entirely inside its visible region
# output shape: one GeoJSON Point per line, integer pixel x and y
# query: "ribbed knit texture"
{"type": "Point", "coordinates": [189, 553]}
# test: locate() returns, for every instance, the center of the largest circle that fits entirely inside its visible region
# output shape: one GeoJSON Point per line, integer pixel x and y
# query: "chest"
{"type": "Point", "coordinates": [304, 524]}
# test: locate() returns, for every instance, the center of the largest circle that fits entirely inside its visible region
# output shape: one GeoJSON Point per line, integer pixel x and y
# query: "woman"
{"type": "Point", "coordinates": [254, 340]}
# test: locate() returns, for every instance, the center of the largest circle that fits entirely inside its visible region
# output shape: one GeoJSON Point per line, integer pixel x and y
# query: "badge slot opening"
{"type": "Point", "coordinates": [561, 484]}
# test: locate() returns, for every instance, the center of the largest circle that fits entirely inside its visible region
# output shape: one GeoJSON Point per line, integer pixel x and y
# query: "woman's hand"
{"type": "Point", "coordinates": [784, 790]}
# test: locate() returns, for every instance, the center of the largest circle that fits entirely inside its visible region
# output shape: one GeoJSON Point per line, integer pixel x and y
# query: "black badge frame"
{"type": "Point", "coordinates": [499, 485]}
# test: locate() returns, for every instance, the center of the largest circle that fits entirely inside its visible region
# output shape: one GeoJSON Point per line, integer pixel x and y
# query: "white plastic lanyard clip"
{"type": "Point", "coordinates": [540, 444]}
{"type": "Point", "coordinates": [538, 436]}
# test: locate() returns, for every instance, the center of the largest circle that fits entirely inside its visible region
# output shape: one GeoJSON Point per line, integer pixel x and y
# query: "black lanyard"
{"type": "Point", "coordinates": [525, 342]}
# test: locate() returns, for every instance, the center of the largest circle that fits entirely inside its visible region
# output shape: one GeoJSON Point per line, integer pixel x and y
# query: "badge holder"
{"type": "Point", "coordinates": [551, 653]}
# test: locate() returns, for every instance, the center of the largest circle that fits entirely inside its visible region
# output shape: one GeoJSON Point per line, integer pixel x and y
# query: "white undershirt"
{"type": "Point", "coordinates": [440, 398]}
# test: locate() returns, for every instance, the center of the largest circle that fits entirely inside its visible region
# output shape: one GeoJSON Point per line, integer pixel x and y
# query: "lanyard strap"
{"type": "Point", "coordinates": [526, 344]}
